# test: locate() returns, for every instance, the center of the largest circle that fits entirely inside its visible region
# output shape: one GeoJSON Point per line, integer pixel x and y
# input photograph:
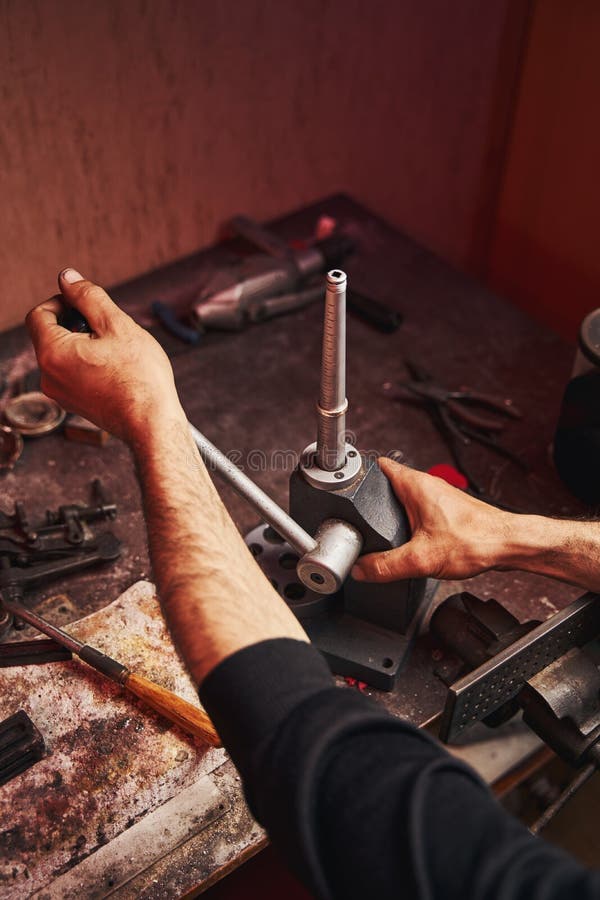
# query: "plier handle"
{"type": "Point", "coordinates": [457, 415]}
{"type": "Point", "coordinates": [461, 405]}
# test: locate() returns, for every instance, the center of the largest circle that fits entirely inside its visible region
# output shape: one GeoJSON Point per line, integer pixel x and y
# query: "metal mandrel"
{"type": "Point", "coordinates": [332, 405]}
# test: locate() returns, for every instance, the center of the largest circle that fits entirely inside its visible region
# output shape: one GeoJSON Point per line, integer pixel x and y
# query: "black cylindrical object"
{"type": "Point", "coordinates": [577, 440]}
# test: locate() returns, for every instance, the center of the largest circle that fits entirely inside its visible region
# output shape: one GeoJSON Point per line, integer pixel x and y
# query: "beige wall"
{"type": "Point", "coordinates": [130, 129]}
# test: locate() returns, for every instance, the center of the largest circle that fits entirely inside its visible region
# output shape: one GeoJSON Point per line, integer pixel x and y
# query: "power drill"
{"type": "Point", "coordinates": [227, 300]}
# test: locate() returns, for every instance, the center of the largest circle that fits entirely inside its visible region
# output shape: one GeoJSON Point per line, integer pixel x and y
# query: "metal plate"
{"type": "Point", "coordinates": [488, 687]}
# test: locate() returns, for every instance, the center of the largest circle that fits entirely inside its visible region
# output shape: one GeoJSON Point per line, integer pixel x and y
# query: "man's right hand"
{"type": "Point", "coordinates": [118, 377]}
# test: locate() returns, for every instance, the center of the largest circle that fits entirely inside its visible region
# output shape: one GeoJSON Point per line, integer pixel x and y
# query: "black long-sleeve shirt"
{"type": "Point", "coordinates": [362, 804]}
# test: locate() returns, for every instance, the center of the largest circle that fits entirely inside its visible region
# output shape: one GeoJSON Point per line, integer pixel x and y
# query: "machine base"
{"type": "Point", "coordinates": [353, 647]}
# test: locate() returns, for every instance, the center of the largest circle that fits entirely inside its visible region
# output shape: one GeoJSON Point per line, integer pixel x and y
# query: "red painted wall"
{"type": "Point", "coordinates": [545, 252]}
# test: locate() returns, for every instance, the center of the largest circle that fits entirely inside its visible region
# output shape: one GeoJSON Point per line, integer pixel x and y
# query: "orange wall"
{"type": "Point", "coordinates": [546, 248]}
{"type": "Point", "coordinates": [130, 130]}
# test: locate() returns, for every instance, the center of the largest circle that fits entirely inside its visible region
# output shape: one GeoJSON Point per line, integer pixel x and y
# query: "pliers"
{"type": "Point", "coordinates": [457, 416]}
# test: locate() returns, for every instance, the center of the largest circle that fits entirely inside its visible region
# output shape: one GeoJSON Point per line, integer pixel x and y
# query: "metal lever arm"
{"type": "Point", "coordinates": [326, 561]}
{"type": "Point", "coordinates": [270, 511]}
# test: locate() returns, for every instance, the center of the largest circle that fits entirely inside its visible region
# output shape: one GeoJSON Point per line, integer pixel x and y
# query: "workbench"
{"type": "Point", "coordinates": [255, 391]}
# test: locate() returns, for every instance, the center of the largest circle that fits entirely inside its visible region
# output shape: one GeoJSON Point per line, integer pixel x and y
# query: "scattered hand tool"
{"type": "Point", "coordinates": [458, 417]}
{"type": "Point", "coordinates": [68, 521]}
{"type": "Point", "coordinates": [31, 653]}
{"type": "Point", "coordinates": [224, 302]}
{"type": "Point", "coordinates": [184, 714]}
{"type": "Point", "coordinates": [277, 281]}
{"type": "Point", "coordinates": [334, 247]}
{"type": "Point", "coordinates": [32, 554]}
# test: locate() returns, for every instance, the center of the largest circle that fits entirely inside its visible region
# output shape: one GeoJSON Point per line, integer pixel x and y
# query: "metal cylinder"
{"type": "Point", "coordinates": [332, 405]}
{"type": "Point", "coordinates": [270, 511]}
{"type": "Point", "coordinates": [325, 568]}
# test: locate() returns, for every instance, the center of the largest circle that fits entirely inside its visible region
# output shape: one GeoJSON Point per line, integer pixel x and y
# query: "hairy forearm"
{"type": "Point", "coordinates": [214, 596]}
{"type": "Point", "coordinates": [567, 550]}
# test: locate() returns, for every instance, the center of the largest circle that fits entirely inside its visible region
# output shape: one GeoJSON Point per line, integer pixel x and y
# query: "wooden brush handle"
{"type": "Point", "coordinates": [188, 717]}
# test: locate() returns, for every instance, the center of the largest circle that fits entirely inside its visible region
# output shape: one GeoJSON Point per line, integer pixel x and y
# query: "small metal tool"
{"type": "Point", "coordinates": [184, 714]}
{"type": "Point", "coordinates": [31, 653]}
{"type": "Point", "coordinates": [34, 573]}
{"type": "Point", "coordinates": [458, 418]}
{"type": "Point", "coordinates": [72, 319]}
{"type": "Point", "coordinates": [68, 520]}
{"type": "Point", "coordinates": [33, 553]}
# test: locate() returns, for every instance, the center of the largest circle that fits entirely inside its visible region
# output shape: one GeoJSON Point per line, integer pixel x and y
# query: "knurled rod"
{"type": "Point", "coordinates": [332, 405]}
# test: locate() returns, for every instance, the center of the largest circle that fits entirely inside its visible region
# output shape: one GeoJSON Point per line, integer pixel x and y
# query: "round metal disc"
{"type": "Point", "coordinates": [330, 481]}
{"type": "Point", "coordinates": [33, 414]}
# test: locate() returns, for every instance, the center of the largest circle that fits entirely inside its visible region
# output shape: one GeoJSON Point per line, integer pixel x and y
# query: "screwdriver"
{"type": "Point", "coordinates": [184, 714]}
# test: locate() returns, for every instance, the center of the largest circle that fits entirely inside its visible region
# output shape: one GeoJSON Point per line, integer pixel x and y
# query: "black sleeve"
{"type": "Point", "coordinates": [362, 804]}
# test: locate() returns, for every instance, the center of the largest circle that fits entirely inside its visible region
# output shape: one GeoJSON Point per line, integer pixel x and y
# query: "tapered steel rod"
{"type": "Point", "coordinates": [332, 405]}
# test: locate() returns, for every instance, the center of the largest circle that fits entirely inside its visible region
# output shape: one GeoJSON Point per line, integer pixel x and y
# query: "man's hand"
{"type": "Point", "coordinates": [118, 376]}
{"type": "Point", "coordinates": [454, 536]}
{"type": "Point", "coordinates": [215, 597]}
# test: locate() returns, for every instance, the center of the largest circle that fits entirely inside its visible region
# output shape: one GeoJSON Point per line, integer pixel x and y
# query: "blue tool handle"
{"type": "Point", "coordinates": [169, 320]}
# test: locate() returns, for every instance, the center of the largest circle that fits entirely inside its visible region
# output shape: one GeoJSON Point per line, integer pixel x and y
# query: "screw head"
{"type": "Point", "coordinates": [338, 474]}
